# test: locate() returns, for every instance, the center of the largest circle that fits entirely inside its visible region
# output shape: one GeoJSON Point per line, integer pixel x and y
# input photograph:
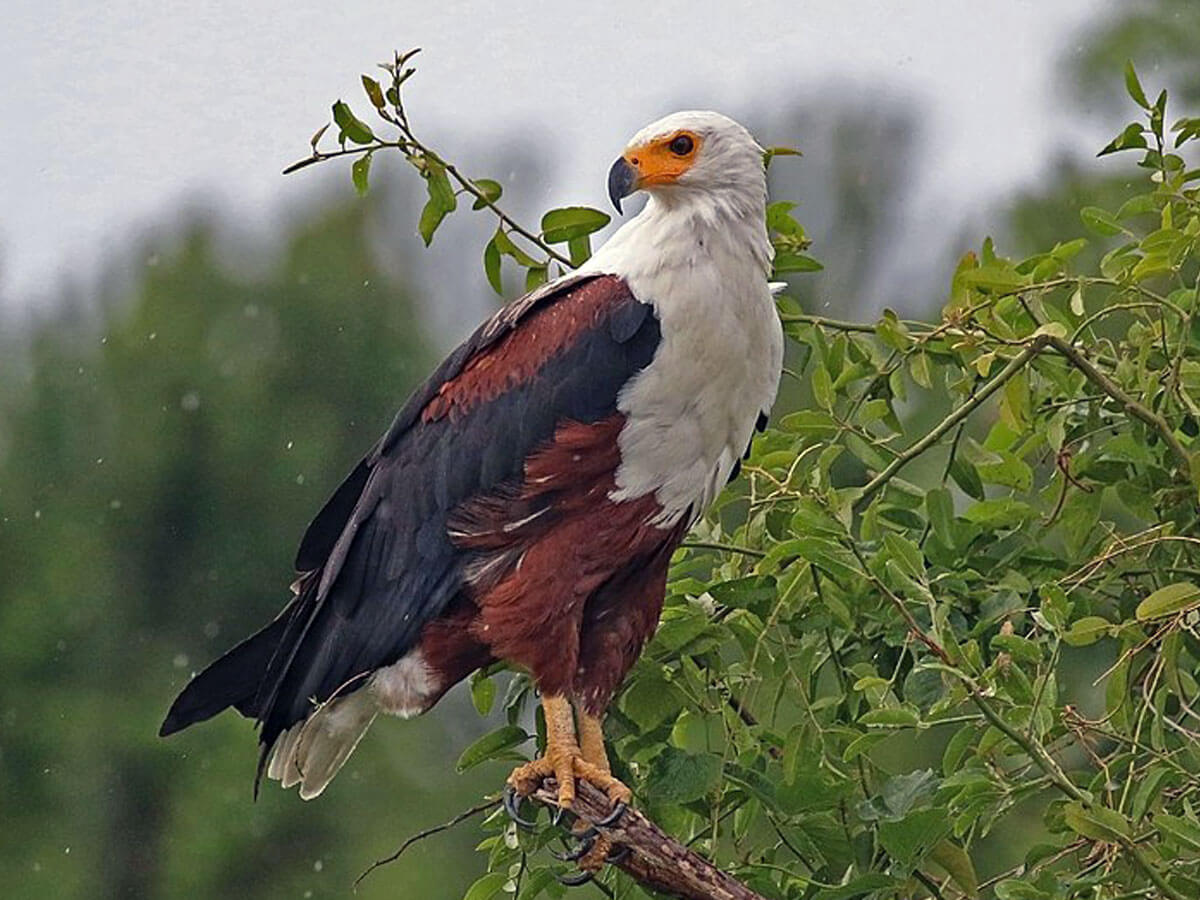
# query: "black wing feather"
{"type": "Point", "coordinates": [378, 558]}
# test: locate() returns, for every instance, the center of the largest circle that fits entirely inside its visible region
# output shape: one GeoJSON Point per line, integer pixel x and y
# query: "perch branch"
{"type": "Point", "coordinates": [656, 860]}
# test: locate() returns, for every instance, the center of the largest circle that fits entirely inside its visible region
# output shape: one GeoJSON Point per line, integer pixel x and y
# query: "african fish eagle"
{"type": "Point", "coordinates": [525, 502]}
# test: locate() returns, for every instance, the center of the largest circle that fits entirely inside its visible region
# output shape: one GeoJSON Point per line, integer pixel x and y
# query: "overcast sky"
{"type": "Point", "coordinates": [113, 113]}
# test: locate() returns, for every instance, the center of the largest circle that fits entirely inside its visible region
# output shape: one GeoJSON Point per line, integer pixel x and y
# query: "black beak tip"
{"type": "Point", "coordinates": [621, 180]}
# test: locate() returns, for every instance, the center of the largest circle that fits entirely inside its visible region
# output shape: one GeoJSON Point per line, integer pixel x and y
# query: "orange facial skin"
{"type": "Point", "coordinates": [660, 161]}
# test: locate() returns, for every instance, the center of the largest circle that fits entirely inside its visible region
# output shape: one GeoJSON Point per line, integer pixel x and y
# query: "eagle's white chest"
{"type": "Point", "coordinates": [691, 413]}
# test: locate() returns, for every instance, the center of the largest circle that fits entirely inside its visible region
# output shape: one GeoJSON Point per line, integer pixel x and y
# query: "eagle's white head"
{"type": "Point", "coordinates": [692, 156]}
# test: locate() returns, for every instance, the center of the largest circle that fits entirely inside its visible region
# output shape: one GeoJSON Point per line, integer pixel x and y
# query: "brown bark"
{"type": "Point", "coordinates": [656, 860]}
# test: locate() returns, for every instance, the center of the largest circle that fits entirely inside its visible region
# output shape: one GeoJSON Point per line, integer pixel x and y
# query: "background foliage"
{"type": "Point", "coordinates": [1033, 736]}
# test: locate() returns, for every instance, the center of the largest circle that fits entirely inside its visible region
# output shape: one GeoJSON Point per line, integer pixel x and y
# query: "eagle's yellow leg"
{"type": "Point", "coordinates": [591, 745]}
{"type": "Point", "coordinates": [568, 758]}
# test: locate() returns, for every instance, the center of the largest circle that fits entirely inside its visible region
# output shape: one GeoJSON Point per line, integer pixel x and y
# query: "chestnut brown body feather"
{"type": "Point", "coordinates": [567, 582]}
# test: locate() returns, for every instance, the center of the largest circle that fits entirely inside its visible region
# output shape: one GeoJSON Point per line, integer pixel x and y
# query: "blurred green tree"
{"type": "Point", "coordinates": [160, 455]}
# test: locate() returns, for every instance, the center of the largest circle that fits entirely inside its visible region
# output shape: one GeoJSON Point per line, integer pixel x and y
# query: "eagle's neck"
{"type": "Point", "coordinates": [687, 228]}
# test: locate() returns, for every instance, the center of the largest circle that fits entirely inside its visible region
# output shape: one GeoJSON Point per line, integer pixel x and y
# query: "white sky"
{"type": "Point", "coordinates": [112, 113]}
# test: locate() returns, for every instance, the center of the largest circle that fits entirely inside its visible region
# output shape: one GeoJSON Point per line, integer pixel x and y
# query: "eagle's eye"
{"type": "Point", "coordinates": [681, 145]}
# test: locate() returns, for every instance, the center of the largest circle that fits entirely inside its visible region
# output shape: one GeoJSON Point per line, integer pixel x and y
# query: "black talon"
{"type": "Point", "coordinates": [559, 813]}
{"type": "Point", "coordinates": [613, 817]}
{"type": "Point", "coordinates": [585, 847]}
{"type": "Point", "coordinates": [512, 806]}
{"type": "Point", "coordinates": [574, 880]}
{"type": "Point", "coordinates": [619, 854]}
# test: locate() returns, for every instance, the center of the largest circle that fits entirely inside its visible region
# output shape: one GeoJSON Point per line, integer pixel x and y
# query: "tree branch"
{"type": "Point", "coordinates": [1135, 409]}
{"type": "Point", "coordinates": [656, 860]}
{"type": "Point", "coordinates": [1015, 365]}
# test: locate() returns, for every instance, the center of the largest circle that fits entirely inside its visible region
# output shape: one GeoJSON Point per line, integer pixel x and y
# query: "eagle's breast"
{"type": "Point", "coordinates": [690, 414]}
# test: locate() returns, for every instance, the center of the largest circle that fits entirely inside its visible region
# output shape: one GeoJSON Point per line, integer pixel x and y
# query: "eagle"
{"type": "Point", "coordinates": [525, 503]}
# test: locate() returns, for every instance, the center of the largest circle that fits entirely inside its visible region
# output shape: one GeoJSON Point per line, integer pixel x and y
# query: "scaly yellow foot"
{"type": "Point", "coordinates": [566, 761]}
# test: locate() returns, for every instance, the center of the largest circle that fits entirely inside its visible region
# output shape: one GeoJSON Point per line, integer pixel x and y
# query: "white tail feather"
{"type": "Point", "coordinates": [311, 752]}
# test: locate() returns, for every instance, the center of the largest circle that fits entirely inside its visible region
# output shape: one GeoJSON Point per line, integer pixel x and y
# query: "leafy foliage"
{"type": "Point", "coordinates": [974, 544]}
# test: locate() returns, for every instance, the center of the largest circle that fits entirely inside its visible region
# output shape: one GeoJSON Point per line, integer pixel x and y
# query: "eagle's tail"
{"type": "Point", "coordinates": [233, 680]}
{"type": "Point", "coordinates": [312, 751]}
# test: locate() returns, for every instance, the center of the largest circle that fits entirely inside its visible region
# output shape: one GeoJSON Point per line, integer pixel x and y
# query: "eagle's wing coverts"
{"type": "Point", "coordinates": [378, 561]}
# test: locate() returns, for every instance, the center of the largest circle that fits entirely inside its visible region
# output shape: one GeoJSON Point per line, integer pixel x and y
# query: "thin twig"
{"type": "Point", "coordinates": [824, 322]}
{"type": "Point", "coordinates": [428, 832]}
{"type": "Point", "coordinates": [727, 548]}
{"type": "Point", "coordinates": [1135, 409]}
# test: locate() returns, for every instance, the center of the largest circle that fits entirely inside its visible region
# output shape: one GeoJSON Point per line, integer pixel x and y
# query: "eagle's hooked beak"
{"type": "Point", "coordinates": [622, 181]}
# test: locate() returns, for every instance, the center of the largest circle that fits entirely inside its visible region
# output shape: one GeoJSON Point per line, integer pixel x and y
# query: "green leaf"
{"type": "Point", "coordinates": [680, 777]}
{"type": "Point", "coordinates": [350, 126]}
{"type": "Point", "coordinates": [1099, 823]}
{"type": "Point", "coordinates": [957, 864]}
{"type": "Point", "coordinates": [441, 199]}
{"type": "Point", "coordinates": [652, 700]}
{"type": "Point", "coordinates": [535, 277]}
{"type": "Point", "coordinates": [939, 507]}
{"type": "Point", "coordinates": [744, 593]}
{"type": "Point", "coordinates": [579, 249]}
{"type": "Point", "coordinates": [832, 558]}
{"type": "Point", "coordinates": [906, 554]}
{"type": "Point", "coordinates": [753, 782]}
{"type": "Point", "coordinates": [491, 191]}
{"type": "Point", "coordinates": [771, 152]}
{"type": "Point", "coordinates": [956, 748]}
{"type": "Point", "coordinates": [483, 693]}
{"type": "Point", "coordinates": [487, 887]}
{"type": "Point", "coordinates": [900, 795]}
{"type": "Point", "coordinates": [1086, 631]}
{"type": "Point", "coordinates": [1080, 517]}
{"type": "Point", "coordinates": [431, 217]}
{"type": "Point", "coordinates": [918, 367]}
{"type": "Point", "coordinates": [1009, 471]}
{"type": "Point", "coordinates": [1002, 512]}
{"type": "Point", "coordinates": [810, 422]}
{"type": "Point", "coordinates": [786, 261]}
{"type": "Point", "coordinates": [1132, 138]}
{"type": "Point", "coordinates": [374, 92]}
{"type": "Point", "coordinates": [822, 387]}
{"type": "Point", "coordinates": [561, 225]}
{"type": "Point", "coordinates": [994, 279]}
{"type": "Point", "coordinates": [863, 744]}
{"type": "Point", "coordinates": [1134, 87]}
{"type": "Point", "coordinates": [505, 245]}
{"type": "Point", "coordinates": [1182, 831]}
{"type": "Point", "coordinates": [359, 173]}
{"type": "Point", "coordinates": [1100, 221]}
{"type": "Point", "coordinates": [1019, 648]}
{"type": "Point", "coordinates": [316, 138]}
{"type": "Point", "coordinates": [779, 217]}
{"type": "Point", "coordinates": [908, 840]}
{"type": "Point", "coordinates": [966, 476]}
{"type": "Point", "coordinates": [1168, 601]}
{"type": "Point", "coordinates": [493, 745]}
{"type": "Point", "coordinates": [1012, 889]}
{"type": "Point", "coordinates": [491, 266]}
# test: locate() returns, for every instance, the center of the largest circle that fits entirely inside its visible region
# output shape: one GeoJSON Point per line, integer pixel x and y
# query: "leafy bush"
{"type": "Point", "coordinates": [956, 591]}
